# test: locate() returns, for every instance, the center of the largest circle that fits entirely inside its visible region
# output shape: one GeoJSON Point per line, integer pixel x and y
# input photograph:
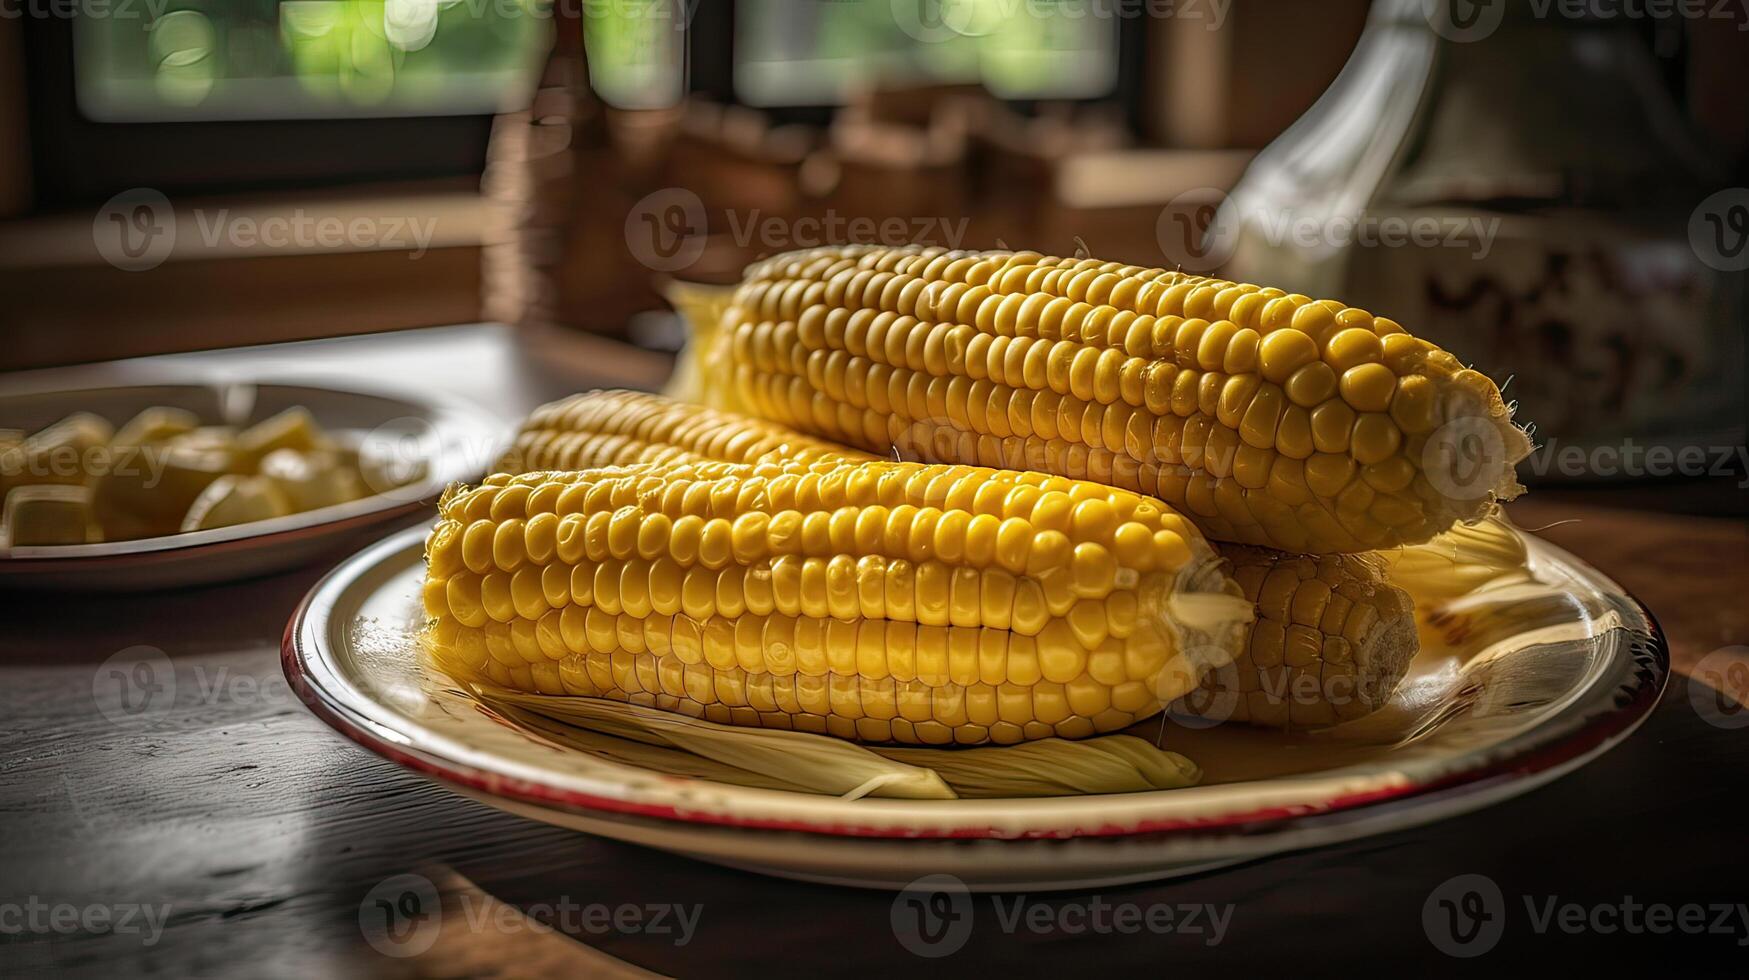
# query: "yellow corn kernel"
{"type": "Point", "coordinates": [1152, 380]}
{"type": "Point", "coordinates": [721, 621]}
{"type": "Point", "coordinates": [1331, 641]}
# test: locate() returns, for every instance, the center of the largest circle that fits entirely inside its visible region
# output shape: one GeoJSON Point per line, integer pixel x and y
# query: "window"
{"type": "Point", "coordinates": [198, 60]}
{"type": "Point", "coordinates": [814, 52]}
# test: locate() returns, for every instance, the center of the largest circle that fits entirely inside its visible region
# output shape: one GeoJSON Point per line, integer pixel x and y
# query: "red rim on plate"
{"type": "Point", "coordinates": [1577, 733]}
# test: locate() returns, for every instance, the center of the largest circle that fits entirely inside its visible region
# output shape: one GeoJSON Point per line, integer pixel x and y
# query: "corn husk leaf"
{"type": "Point", "coordinates": [1055, 767]}
{"type": "Point", "coordinates": [1466, 559]}
{"type": "Point", "coordinates": [1473, 586]}
{"type": "Point", "coordinates": [816, 763]}
{"type": "Point", "coordinates": [803, 762]}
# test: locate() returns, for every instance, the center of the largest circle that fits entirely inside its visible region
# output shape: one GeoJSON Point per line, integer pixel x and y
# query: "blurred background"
{"type": "Point", "coordinates": [1554, 189]}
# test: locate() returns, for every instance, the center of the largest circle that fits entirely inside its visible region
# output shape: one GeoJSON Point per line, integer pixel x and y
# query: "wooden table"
{"type": "Point", "coordinates": [259, 833]}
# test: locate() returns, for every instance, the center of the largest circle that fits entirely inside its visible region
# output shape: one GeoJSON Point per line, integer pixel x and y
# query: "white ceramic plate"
{"type": "Point", "coordinates": [1488, 712]}
{"type": "Point", "coordinates": [452, 439]}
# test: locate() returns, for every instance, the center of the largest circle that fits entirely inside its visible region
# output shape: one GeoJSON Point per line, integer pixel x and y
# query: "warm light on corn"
{"type": "Point", "coordinates": [1331, 638]}
{"type": "Point", "coordinates": [616, 428]}
{"type": "Point", "coordinates": [1268, 418]}
{"type": "Point", "coordinates": [901, 602]}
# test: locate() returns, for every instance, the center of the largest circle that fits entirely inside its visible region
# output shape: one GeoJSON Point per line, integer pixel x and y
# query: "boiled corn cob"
{"type": "Point", "coordinates": [616, 427]}
{"type": "Point", "coordinates": [1330, 642]}
{"type": "Point", "coordinates": [1268, 418]}
{"type": "Point", "coordinates": [886, 602]}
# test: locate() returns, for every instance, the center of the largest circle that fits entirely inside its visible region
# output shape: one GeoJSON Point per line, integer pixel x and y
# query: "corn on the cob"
{"type": "Point", "coordinates": [1268, 418]}
{"type": "Point", "coordinates": [880, 601]}
{"type": "Point", "coordinates": [1330, 642]}
{"type": "Point", "coordinates": [616, 428]}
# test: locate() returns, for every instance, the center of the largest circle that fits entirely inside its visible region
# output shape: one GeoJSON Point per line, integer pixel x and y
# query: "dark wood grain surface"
{"type": "Point", "coordinates": [256, 838]}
